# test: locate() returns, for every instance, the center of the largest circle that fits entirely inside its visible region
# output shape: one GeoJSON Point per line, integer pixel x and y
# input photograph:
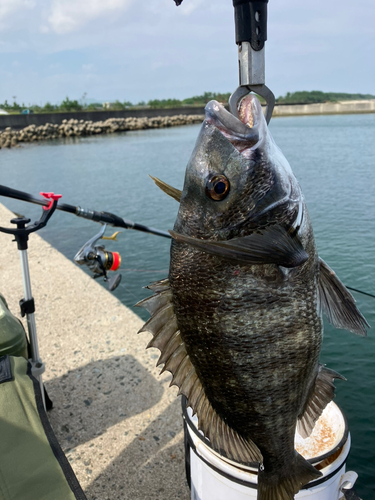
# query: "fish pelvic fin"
{"type": "Point", "coordinates": [286, 482]}
{"type": "Point", "coordinates": [338, 303]}
{"type": "Point", "coordinates": [169, 190]}
{"type": "Point", "coordinates": [173, 355]}
{"type": "Point", "coordinates": [272, 245]}
{"type": "Point", "coordinates": [323, 391]}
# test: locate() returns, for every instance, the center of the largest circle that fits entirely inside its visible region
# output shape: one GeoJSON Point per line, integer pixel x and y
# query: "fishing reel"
{"type": "Point", "coordinates": [99, 260]}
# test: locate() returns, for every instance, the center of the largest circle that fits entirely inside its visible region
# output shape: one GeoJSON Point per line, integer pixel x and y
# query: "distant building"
{"type": "Point", "coordinates": [3, 112]}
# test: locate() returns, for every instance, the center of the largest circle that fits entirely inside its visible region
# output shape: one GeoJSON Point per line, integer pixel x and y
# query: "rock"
{"type": "Point", "coordinates": [80, 128]}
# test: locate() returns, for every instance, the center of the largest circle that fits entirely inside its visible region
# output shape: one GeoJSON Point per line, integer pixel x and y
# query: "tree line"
{"type": "Point", "coordinates": [69, 105]}
{"type": "Point", "coordinates": [317, 96]}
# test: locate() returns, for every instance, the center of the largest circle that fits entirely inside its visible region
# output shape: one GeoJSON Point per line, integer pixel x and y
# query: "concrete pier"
{"type": "Point", "coordinates": [114, 416]}
{"type": "Point", "coordinates": [327, 108]}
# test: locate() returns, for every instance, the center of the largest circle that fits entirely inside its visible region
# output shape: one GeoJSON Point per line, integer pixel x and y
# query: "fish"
{"type": "Point", "coordinates": [238, 321]}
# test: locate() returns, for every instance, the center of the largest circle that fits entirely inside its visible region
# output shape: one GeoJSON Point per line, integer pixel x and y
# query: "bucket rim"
{"type": "Point", "coordinates": [312, 461]}
{"type": "Point", "coordinates": [254, 486]}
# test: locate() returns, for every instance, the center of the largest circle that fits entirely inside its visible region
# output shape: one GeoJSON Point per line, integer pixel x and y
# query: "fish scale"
{"type": "Point", "coordinates": [196, 324]}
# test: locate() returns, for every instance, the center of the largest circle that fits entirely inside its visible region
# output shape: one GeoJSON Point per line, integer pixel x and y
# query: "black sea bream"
{"type": "Point", "coordinates": [238, 321]}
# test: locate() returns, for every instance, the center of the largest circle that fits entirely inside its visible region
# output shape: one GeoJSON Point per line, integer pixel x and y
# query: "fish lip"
{"type": "Point", "coordinates": [239, 134]}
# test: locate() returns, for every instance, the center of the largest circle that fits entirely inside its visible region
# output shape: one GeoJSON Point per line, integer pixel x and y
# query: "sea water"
{"type": "Point", "coordinates": [333, 158]}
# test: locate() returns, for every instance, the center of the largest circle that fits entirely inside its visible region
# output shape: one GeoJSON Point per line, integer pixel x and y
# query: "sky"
{"type": "Point", "coordinates": [134, 50]}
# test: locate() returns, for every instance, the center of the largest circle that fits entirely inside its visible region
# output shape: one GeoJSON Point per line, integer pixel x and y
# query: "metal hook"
{"type": "Point", "coordinates": [261, 90]}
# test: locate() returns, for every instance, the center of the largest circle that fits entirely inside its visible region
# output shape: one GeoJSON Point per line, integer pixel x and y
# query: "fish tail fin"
{"type": "Point", "coordinates": [284, 484]}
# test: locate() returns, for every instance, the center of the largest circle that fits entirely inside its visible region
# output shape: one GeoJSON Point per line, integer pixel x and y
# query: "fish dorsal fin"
{"type": "Point", "coordinates": [169, 190]}
{"type": "Point", "coordinates": [338, 303]}
{"type": "Point", "coordinates": [167, 338]}
{"type": "Point", "coordinates": [323, 391]}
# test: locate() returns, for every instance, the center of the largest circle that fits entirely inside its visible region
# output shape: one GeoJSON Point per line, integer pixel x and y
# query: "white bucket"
{"type": "Point", "coordinates": [213, 477]}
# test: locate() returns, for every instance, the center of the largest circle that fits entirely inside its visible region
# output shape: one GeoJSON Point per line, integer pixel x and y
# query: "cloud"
{"type": "Point", "coordinates": [190, 7]}
{"type": "Point", "coordinates": [69, 15]}
{"type": "Point", "coordinates": [10, 7]}
{"type": "Point", "coordinates": [140, 50]}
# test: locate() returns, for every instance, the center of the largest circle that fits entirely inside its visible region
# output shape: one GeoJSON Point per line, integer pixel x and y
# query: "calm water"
{"type": "Point", "coordinates": [333, 158]}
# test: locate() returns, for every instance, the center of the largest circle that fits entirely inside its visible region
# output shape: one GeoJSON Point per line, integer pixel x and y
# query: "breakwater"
{"type": "Point", "coordinates": [326, 108]}
{"type": "Point", "coordinates": [21, 121]}
{"type": "Point", "coordinates": [11, 137]}
{"type": "Point", "coordinates": [15, 129]}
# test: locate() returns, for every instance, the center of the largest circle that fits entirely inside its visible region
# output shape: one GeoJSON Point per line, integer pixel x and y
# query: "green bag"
{"type": "Point", "coordinates": [32, 463]}
{"type": "Point", "coordinates": [12, 334]}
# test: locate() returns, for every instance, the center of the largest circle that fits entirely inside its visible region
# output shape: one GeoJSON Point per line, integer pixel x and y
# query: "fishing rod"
{"type": "Point", "coordinates": [102, 217]}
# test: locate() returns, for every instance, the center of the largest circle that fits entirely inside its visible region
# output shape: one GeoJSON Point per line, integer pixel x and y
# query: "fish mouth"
{"type": "Point", "coordinates": [243, 133]}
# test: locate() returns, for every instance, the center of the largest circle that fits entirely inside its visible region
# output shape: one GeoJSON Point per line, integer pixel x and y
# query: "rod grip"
{"type": "Point", "coordinates": [250, 17]}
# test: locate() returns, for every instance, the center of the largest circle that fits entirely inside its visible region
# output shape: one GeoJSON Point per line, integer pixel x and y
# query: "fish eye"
{"type": "Point", "coordinates": [217, 187]}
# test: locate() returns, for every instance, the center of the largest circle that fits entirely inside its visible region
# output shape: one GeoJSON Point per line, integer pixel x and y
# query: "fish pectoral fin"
{"type": "Point", "coordinates": [338, 303]}
{"type": "Point", "coordinates": [323, 391]}
{"type": "Point", "coordinates": [166, 337]}
{"type": "Point", "coordinates": [273, 245]}
{"type": "Point", "coordinates": [169, 190]}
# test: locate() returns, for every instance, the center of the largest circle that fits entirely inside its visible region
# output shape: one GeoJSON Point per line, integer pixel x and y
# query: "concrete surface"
{"type": "Point", "coordinates": [115, 417]}
{"type": "Point", "coordinates": [327, 108]}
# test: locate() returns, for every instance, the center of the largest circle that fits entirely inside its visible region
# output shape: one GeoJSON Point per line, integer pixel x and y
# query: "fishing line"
{"type": "Point", "coordinates": [129, 291]}
{"type": "Point", "coordinates": [360, 291]}
{"type": "Point", "coordinates": [164, 271]}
